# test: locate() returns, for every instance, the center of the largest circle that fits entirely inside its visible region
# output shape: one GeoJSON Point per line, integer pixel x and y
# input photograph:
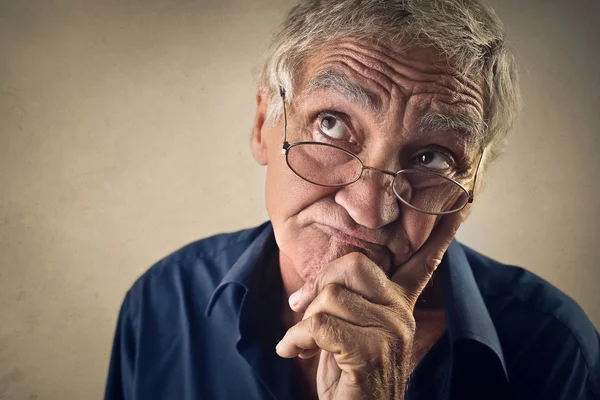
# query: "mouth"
{"type": "Point", "coordinates": [352, 239]}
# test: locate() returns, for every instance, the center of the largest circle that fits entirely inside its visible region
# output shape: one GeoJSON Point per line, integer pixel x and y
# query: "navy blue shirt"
{"type": "Point", "coordinates": [203, 323]}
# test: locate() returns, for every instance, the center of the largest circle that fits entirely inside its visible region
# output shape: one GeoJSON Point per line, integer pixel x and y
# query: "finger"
{"type": "Point", "coordinates": [414, 274]}
{"type": "Point", "coordinates": [339, 302]}
{"type": "Point", "coordinates": [309, 353]}
{"type": "Point", "coordinates": [321, 331]}
{"type": "Point", "coordinates": [354, 271]}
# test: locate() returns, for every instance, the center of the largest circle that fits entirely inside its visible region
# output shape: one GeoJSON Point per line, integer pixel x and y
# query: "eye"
{"type": "Point", "coordinates": [331, 126]}
{"type": "Point", "coordinates": [434, 160]}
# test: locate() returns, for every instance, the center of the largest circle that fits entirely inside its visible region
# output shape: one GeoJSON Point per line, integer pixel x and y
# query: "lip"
{"type": "Point", "coordinates": [351, 238]}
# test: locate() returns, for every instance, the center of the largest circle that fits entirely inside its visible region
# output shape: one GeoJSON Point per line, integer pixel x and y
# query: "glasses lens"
{"type": "Point", "coordinates": [429, 192]}
{"type": "Point", "coordinates": [323, 164]}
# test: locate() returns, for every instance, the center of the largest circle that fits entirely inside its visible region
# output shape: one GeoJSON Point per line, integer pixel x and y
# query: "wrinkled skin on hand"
{"type": "Point", "coordinates": [361, 321]}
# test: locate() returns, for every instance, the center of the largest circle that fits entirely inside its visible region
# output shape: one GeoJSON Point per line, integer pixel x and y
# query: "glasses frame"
{"type": "Point", "coordinates": [287, 146]}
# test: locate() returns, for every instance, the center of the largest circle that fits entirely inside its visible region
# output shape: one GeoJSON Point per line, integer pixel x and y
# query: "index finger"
{"type": "Point", "coordinates": [355, 271]}
{"type": "Point", "coordinates": [414, 274]}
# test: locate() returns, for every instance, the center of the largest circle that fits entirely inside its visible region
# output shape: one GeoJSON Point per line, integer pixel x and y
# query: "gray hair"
{"type": "Point", "coordinates": [467, 32]}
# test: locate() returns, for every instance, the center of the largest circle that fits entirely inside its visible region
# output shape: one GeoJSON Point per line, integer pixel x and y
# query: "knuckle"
{"type": "Point", "coordinates": [317, 322]}
{"type": "Point", "coordinates": [404, 321]}
{"type": "Point", "coordinates": [431, 263]}
{"type": "Point", "coordinates": [311, 286]}
{"type": "Point", "coordinates": [326, 328]}
{"type": "Point", "coordinates": [355, 261]}
{"type": "Point", "coordinates": [391, 292]}
{"type": "Point", "coordinates": [356, 267]}
{"type": "Point", "coordinates": [332, 292]}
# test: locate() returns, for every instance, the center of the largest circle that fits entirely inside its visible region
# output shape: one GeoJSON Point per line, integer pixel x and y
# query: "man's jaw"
{"type": "Point", "coordinates": [353, 241]}
{"type": "Point", "coordinates": [368, 242]}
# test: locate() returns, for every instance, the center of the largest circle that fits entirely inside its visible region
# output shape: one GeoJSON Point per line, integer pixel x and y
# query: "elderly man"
{"type": "Point", "coordinates": [376, 120]}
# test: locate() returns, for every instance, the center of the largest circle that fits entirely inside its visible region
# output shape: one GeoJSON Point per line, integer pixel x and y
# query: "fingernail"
{"type": "Point", "coordinates": [294, 299]}
{"type": "Point", "coordinates": [278, 344]}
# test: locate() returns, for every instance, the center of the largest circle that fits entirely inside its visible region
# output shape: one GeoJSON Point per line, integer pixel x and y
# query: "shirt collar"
{"type": "Point", "coordinates": [258, 334]}
{"type": "Point", "coordinates": [243, 270]}
{"type": "Point", "coordinates": [467, 317]}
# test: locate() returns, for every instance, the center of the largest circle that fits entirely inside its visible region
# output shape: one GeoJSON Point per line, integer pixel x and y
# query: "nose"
{"type": "Point", "coordinates": [370, 201]}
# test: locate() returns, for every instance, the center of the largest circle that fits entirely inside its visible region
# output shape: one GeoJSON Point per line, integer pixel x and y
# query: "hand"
{"type": "Point", "coordinates": [362, 321]}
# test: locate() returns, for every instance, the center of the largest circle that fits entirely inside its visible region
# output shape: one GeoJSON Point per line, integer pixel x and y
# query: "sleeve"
{"type": "Point", "coordinates": [121, 370]}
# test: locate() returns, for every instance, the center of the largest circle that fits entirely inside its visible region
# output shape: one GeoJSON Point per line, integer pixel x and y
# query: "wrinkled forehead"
{"type": "Point", "coordinates": [384, 57]}
{"type": "Point", "coordinates": [383, 78]}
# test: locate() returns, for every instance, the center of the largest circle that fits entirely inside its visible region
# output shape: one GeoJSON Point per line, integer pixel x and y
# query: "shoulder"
{"type": "Point", "coordinates": [188, 276]}
{"type": "Point", "coordinates": [540, 327]}
{"type": "Point", "coordinates": [162, 331]}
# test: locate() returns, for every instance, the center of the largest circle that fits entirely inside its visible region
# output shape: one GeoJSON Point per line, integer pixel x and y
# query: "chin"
{"type": "Point", "coordinates": [313, 249]}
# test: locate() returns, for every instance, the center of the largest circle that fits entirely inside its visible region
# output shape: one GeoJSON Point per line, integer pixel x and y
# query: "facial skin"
{"type": "Point", "coordinates": [307, 219]}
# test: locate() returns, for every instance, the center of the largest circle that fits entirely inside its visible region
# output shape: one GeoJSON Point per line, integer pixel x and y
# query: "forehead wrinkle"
{"type": "Point", "coordinates": [387, 65]}
{"type": "Point", "coordinates": [400, 77]}
{"type": "Point", "coordinates": [437, 68]}
{"type": "Point", "coordinates": [469, 125]}
{"type": "Point", "coordinates": [354, 66]}
{"type": "Point", "coordinates": [329, 79]}
{"type": "Point", "coordinates": [391, 72]}
{"type": "Point", "coordinates": [400, 65]}
{"type": "Point", "coordinates": [408, 73]}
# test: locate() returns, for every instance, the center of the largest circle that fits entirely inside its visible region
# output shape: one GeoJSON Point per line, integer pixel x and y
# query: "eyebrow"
{"type": "Point", "coordinates": [469, 125]}
{"type": "Point", "coordinates": [340, 83]}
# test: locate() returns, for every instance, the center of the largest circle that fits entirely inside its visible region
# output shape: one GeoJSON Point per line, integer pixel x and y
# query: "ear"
{"type": "Point", "coordinates": [258, 140]}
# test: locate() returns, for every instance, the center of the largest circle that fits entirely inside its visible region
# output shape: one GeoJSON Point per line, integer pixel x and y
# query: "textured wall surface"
{"type": "Point", "coordinates": [124, 128]}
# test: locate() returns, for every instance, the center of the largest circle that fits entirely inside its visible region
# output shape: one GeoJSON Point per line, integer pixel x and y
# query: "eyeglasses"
{"type": "Point", "coordinates": [325, 164]}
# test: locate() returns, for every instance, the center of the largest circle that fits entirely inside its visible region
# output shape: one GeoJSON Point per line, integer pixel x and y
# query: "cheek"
{"type": "Point", "coordinates": [288, 201]}
{"type": "Point", "coordinates": [286, 194]}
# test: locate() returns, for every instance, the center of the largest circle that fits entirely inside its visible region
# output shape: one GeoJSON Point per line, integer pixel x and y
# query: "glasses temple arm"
{"type": "Point", "coordinates": [282, 94]}
{"type": "Point", "coordinates": [471, 192]}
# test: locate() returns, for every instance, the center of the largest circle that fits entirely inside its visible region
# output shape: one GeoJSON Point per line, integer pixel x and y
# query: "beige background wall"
{"type": "Point", "coordinates": [124, 131]}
